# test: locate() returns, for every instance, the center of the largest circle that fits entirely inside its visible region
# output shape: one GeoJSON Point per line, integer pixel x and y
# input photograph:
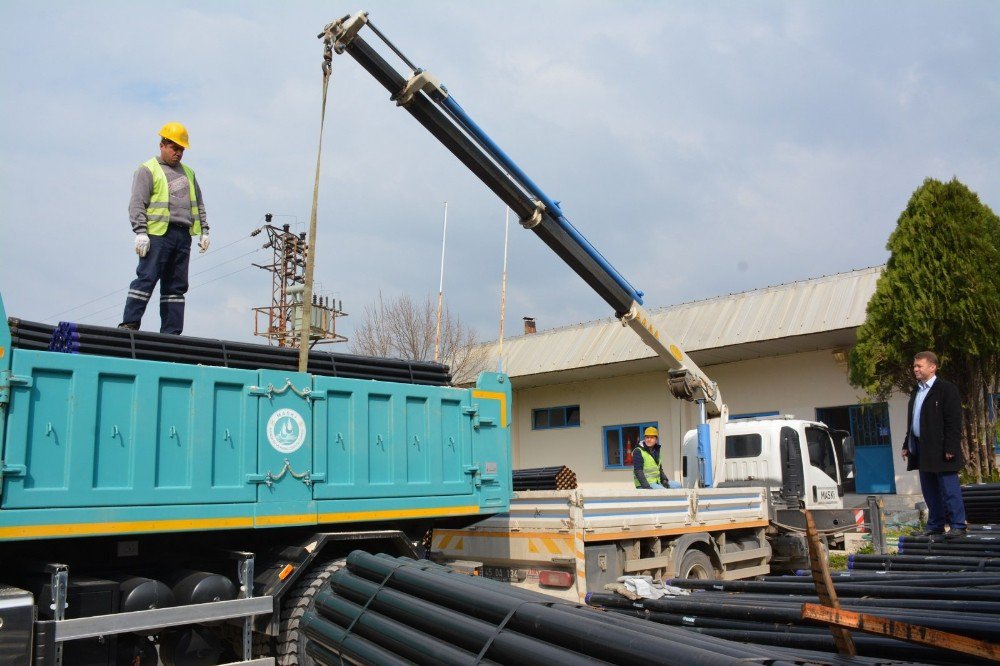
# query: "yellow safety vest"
{"type": "Point", "coordinates": [158, 210]}
{"type": "Point", "coordinates": [650, 467]}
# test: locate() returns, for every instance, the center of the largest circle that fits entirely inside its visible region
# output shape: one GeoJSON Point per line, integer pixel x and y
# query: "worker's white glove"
{"type": "Point", "coordinates": [203, 243]}
{"type": "Point", "coordinates": [141, 244]}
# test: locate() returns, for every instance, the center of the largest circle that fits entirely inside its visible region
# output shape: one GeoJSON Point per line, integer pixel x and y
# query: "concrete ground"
{"type": "Point", "coordinates": [889, 502]}
{"type": "Point", "coordinates": [898, 512]}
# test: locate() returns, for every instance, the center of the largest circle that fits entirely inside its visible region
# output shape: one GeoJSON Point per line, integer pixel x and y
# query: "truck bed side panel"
{"type": "Point", "coordinates": [98, 432]}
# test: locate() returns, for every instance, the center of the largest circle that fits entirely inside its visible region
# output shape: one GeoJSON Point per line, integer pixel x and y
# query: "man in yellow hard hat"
{"type": "Point", "coordinates": [166, 211]}
{"type": "Point", "coordinates": [646, 469]}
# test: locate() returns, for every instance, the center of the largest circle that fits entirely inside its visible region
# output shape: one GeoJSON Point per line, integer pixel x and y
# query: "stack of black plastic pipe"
{"type": "Point", "coordinates": [383, 610]}
{"type": "Point", "coordinates": [122, 343]}
{"type": "Point", "coordinates": [545, 478]}
{"type": "Point", "coordinates": [29, 334]}
{"type": "Point", "coordinates": [769, 611]}
{"type": "Point", "coordinates": [979, 549]}
{"type": "Point", "coordinates": [982, 502]}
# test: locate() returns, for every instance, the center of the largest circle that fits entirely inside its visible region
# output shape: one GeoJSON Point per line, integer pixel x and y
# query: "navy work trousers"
{"type": "Point", "coordinates": [166, 263]}
{"type": "Point", "coordinates": [943, 495]}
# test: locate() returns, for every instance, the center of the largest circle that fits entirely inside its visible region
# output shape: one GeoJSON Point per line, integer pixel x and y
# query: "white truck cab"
{"type": "Point", "coordinates": [795, 459]}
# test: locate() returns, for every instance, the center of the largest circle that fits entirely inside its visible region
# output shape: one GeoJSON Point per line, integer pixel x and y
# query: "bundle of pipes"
{"type": "Point", "coordinates": [769, 611]}
{"type": "Point", "coordinates": [29, 334]}
{"type": "Point", "coordinates": [123, 343]}
{"type": "Point", "coordinates": [966, 562]}
{"type": "Point", "coordinates": [982, 502]}
{"type": "Point", "coordinates": [981, 542]}
{"type": "Point", "coordinates": [545, 478]}
{"type": "Point", "coordinates": [385, 610]}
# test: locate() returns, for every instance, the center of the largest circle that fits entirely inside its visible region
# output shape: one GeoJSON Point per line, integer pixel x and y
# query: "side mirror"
{"type": "Point", "coordinates": [848, 447]}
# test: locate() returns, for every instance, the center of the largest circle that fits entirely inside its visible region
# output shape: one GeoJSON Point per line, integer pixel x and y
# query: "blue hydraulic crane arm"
{"type": "Point", "coordinates": [430, 103]}
{"type": "Point", "coordinates": [434, 108]}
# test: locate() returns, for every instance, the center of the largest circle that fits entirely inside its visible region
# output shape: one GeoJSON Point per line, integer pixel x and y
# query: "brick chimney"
{"type": "Point", "coordinates": [529, 325]}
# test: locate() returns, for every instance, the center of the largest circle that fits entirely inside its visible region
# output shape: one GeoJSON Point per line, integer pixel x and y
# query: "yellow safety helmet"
{"type": "Point", "coordinates": [175, 132]}
{"type": "Point", "coordinates": [651, 432]}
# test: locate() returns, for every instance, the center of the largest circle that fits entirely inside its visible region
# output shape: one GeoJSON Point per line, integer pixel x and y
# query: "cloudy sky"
{"type": "Point", "coordinates": [704, 148]}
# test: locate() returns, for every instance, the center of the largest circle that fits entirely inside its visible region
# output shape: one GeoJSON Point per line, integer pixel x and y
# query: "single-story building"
{"type": "Point", "coordinates": [583, 393]}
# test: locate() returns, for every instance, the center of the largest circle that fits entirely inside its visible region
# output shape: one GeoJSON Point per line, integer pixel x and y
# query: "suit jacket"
{"type": "Point", "coordinates": [940, 429]}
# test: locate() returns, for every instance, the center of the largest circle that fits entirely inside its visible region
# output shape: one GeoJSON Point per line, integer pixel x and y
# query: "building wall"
{"type": "Point", "coordinates": [603, 402]}
{"type": "Point", "coordinates": [795, 384]}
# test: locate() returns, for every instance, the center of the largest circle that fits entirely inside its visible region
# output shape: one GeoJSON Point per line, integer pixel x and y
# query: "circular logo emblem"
{"type": "Point", "coordinates": [286, 431]}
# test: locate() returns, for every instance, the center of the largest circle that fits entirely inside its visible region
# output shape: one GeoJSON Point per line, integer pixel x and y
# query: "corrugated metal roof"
{"type": "Point", "coordinates": [825, 305]}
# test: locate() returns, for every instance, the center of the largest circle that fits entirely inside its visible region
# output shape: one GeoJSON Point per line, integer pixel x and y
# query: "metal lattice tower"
{"type": "Point", "coordinates": [280, 321]}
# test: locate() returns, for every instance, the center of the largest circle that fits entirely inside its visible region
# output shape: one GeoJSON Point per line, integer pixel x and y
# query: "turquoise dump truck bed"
{"type": "Point", "coordinates": [94, 445]}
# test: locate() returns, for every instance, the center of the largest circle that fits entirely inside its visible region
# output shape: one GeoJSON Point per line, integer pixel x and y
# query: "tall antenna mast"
{"type": "Point", "coordinates": [503, 288]}
{"type": "Point", "coordinates": [437, 336]}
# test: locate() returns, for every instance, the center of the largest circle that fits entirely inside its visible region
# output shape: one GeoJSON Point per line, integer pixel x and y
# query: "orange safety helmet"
{"type": "Point", "coordinates": [177, 133]}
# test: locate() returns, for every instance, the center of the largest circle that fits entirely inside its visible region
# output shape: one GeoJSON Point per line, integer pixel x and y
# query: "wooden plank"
{"type": "Point", "coordinates": [904, 631]}
{"type": "Point", "coordinates": [824, 586]}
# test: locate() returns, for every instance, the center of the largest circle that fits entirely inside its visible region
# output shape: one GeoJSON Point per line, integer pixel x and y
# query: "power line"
{"type": "Point", "coordinates": [117, 292]}
{"type": "Point", "coordinates": [190, 289]}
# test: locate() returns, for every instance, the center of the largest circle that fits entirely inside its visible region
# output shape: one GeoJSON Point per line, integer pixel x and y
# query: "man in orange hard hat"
{"type": "Point", "coordinates": [166, 211]}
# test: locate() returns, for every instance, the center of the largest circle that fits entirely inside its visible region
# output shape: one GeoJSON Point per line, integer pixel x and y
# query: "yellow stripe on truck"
{"type": "Point", "coordinates": [124, 527]}
{"type": "Point", "coordinates": [495, 395]}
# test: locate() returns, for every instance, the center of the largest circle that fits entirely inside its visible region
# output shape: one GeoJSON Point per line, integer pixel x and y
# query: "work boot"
{"type": "Point", "coordinates": [130, 325]}
{"type": "Point", "coordinates": [933, 535]}
{"type": "Point", "coordinates": [956, 534]}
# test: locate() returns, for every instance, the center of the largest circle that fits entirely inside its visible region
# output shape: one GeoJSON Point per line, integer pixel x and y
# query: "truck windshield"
{"type": "Point", "coordinates": [821, 454]}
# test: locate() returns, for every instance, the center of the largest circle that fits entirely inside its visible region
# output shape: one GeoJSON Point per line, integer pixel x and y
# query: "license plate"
{"type": "Point", "coordinates": [502, 574]}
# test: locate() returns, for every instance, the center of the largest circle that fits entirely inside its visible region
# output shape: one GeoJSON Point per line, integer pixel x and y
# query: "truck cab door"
{"type": "Point", "coordinates": [792, 475]}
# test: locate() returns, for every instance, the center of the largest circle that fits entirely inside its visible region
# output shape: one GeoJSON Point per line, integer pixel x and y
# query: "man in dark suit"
{"type": "Point", "coordinates": [933, 445]}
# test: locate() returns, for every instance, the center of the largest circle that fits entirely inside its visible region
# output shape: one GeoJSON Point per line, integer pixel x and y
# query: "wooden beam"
{"type": "Point", "coordinates": [824, 586]}
{"type": "Point", "coordinates": [904, 631]}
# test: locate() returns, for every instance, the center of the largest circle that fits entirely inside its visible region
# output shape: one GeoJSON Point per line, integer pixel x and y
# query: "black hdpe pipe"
{"type": "Point", "coordinates": [886, 577]}
{"type": "Point", "coordinates": [842, 589]}
{"type": "Point", "coordinates": [588, 635]}
{"type": "Point", "coordinates": [461, 630]}
{"type": "Point", "coordinates": [110, 341]}
{"type": "Point", "coordinates": [394, 636]}
{"type": "Point", "coordinates": [964, 623]}
{"type": "Point", "coordinates": [337, 645]}
{"type": "Point", "coordinates": [868, 646]}
{"type": "Point", "coordinates": [709, 622]}
{"type": "Point", "coordinates": [990, 607]}
{"type": "Point", "coordinates": [926, 568]}
{"type": "Point", "coordinates": [925, 559]}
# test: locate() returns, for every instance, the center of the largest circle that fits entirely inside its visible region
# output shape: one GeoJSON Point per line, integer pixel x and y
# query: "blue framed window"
{"type": "Point", "coordinates": [555, 417]}
{"type": "Point", "coordinates": [620, 441]}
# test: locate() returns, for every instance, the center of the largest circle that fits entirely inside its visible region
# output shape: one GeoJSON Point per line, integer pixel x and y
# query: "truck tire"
{"type": "Point", "coordinates": [696, 564]}
{"type": "Point", "coordinates": [291, 641]}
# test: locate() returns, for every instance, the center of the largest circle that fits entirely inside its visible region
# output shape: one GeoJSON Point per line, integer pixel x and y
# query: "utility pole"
{"type": "Point", "coordinates": [281, 322]}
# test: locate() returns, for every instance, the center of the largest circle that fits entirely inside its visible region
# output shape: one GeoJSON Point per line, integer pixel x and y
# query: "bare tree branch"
{"type": "Point", "coordinates": [404, 328]}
